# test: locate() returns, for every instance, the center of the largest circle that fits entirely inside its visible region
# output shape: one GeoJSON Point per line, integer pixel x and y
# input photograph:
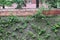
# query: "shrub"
{"type": "Point", "coordinates": [39, 14]}
{"type": "Point", "coordinates": [53, 3]}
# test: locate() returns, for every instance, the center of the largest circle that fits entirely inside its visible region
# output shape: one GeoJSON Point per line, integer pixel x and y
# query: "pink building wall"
{"type": "Point", "coordinates": [28, 5]}
{"type": "Point", "coordinates": [33, 1]}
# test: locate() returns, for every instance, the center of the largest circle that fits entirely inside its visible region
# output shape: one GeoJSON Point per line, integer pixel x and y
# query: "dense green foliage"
{"type": "Point", "coordinates": [19, 2]}
{"type": "Point", "coordinates": [3, 3]}
{"type": "Point", "coordinates": [54, 3]}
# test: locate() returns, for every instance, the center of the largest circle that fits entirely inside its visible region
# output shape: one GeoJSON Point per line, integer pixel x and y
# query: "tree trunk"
{"type": "Point", "coordinates": [25, 3]}
{"type": "Point", "coordinates": [18, 6]}
{"type": "Point", "coordinates": [37, 3]}
{"type": "Point", "coordinates": [3, 6]}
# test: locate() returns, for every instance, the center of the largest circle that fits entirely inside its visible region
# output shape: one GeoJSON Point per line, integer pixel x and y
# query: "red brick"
{"type": "Point", "coordinates": [28, 12]}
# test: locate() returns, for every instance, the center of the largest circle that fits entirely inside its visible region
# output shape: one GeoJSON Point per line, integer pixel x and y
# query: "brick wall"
{"type": "Point", "coordinates": [52, 12]}
{"type": "Point", "coordinates": [22, 12]}
{"type": "Point", "coordinates": [27, 12]}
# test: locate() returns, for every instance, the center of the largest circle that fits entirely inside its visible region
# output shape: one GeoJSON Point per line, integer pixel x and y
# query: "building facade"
{"type": "Point", "coordinates": [31, 1]}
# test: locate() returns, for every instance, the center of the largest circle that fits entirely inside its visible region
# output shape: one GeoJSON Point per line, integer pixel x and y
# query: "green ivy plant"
{"type": "Point", "coordinates": [47, 36]}
{"type": "Point", "coordinates": [41, 32]}
{"type": "Point", "coordinates": [38, 30]}
{"type": "Point", "coordinates": [56, 27]}
{"type": "Point", "coordinates": [31, 34]}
